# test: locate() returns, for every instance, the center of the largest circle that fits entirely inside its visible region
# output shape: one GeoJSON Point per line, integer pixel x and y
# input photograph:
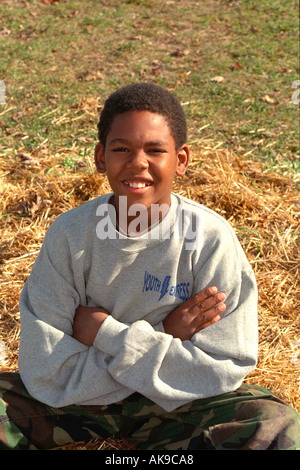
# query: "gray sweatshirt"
{"type": "Point", "coordinates": [138, 280]}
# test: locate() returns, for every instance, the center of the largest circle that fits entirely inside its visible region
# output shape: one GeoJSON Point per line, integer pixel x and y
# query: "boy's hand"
{"type": "Point", "coordinates": [87, 322]}
{"type": "Point", "coordinates": [198, 312]}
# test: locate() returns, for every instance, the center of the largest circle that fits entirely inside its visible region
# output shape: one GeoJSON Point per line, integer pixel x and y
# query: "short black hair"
{"type": "Point", "coordinates": [144, 97]}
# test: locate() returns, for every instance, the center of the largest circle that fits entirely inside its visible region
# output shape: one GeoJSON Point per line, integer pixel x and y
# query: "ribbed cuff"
{"type": "Point", "coordinates": [110, 336]}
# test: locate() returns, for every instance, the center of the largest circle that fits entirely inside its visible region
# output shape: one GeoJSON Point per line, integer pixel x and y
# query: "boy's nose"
{"type": "Point", "coordinates": [138, 159]}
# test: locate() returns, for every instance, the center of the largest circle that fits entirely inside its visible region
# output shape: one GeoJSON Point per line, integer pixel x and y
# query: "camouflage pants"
{"type": "Point", "coordinates": [248, 418]}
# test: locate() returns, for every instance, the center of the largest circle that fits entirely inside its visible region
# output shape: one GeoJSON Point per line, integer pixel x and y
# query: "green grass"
{"type": "Point", "coordinates": [53, 58]}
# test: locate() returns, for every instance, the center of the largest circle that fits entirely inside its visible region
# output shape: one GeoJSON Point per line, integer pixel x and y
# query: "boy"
{"type": "Point", "coordinates": [124, 329]}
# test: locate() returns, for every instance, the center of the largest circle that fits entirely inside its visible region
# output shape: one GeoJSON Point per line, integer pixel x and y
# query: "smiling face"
{"type": "Point", "coordinates": [140, 158]}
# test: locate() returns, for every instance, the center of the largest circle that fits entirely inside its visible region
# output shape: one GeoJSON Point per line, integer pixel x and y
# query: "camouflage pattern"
{"type": "Point", "coordinates": [248, 418]}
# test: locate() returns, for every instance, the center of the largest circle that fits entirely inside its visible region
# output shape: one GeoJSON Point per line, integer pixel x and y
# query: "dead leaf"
{"type": "Point", "coordinates": [86, 140]}
{"type": "Point", "coordinates": [180, 53]}
{"type": "Point", "coordinates": [268, 99]}
{"type": "Point", "coordinates": [89, 76]}
{"type": "Point", "coordinates": [217, 79]}
{"type": "Point", "coordinates": [50, 2]}
{"type": "Point", "coordinates": [5, 32]}
{"type": "Point", "coordinates": [35, 204]}
{"type": "Point", "coordinates": [27, 160]}
{"type": "Point", "coordinates": [265, 133]}
{"type": "Point", "coordinates": [236, 66]}
{"type": "Point", "coordinates": [32, 205]}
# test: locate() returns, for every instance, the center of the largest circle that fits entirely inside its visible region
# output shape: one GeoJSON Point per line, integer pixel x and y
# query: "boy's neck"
{"type": "Point", "coordinates": [137, 219]}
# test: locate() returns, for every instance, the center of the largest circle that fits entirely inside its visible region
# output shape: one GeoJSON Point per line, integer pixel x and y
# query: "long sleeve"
{"type": "Point", "coordinates": [56, 368]}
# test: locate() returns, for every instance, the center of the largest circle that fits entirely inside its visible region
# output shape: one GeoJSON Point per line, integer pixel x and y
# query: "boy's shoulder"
{"type": "Point", "coordinates": [213, 228]}
{"type": "Point", "coordinates": [201, 211]}
{"type": "Point", "coordinates": [80, 216]}
{"type": "Point", "coordinates": [207, 222]}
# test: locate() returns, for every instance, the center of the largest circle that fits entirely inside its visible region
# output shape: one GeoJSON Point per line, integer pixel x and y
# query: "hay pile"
{"type": "Point", "coordinates": [263, 209]}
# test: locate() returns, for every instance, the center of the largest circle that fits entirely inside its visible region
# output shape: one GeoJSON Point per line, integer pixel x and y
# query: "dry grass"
{"type": "Point", "coordinates": [263, 208]}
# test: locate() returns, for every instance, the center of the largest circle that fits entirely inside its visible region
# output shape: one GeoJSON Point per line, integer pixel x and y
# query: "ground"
{"type": "Point", "coordinates": [232, 64]}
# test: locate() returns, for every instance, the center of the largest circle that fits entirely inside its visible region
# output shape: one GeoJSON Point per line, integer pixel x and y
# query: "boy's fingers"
{"type": "Point", "coordinates": [201, 296]}
{"type": "Point", "coordinates": [205, 300]}
{"type": "Point", "coordinates": [209, 317]}
{"type": "Point", "coordinates": [214, 320]}
{"type": "Point", "coordinates": [211, 301]}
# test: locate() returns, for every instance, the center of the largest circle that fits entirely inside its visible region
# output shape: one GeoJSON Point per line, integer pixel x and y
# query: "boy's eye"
{"type": "Point", "coordinates": [157, 150]}
{"type": "Point", "coordinates": [120, 149]}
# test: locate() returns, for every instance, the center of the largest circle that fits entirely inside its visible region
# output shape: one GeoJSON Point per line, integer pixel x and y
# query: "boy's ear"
{"type": "Point", "coordinates": [99, 158]}
{"type": "Point", "coordinates": [183, 158]}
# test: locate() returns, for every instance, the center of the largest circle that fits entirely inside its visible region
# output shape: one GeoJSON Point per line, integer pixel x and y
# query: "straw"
{"type": "Point", "coordinates": [263, 207]}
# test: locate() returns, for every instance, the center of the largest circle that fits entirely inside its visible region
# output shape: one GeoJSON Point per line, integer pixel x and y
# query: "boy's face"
{"type": "Point", "coordinates": [140, 158]}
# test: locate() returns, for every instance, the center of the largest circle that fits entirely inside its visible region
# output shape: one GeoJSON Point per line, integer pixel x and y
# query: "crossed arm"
{"type": "Point", "coordinates": [170, 366]}
{"type": "Point", "coordinates": [198, 312]}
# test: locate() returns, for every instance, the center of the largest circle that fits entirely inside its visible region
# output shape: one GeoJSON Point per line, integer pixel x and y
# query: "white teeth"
{"type": "Point", "coordinates": [136, 185]}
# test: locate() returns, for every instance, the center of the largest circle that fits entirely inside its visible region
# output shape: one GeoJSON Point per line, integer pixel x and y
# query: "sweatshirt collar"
{"type": "Point", "coordinates": [161, 232]}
